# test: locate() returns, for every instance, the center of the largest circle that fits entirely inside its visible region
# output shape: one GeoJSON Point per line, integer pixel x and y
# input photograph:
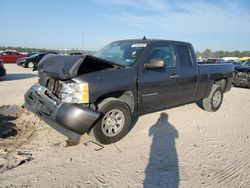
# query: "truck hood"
{"type": "Point", "coordinates": [65, 67]}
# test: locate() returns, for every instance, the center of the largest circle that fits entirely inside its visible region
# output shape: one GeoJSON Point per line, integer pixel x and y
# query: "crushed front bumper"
{"type": "Point", "coordinates": [241, 79]}
{"type": "Point", "coordinates": [241, 83]}
{"type": "Point", "coordinates": [72, 120]}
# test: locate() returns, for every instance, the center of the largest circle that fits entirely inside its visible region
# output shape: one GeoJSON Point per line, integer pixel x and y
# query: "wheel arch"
{"type": "Point", "coordinates": [222, 83]}
{"type": "Point", "coordinates": [126, 96]}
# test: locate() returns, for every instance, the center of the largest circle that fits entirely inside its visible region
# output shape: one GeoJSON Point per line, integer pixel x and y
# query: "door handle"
{"type": "Point", "coordinates": [174, 76]}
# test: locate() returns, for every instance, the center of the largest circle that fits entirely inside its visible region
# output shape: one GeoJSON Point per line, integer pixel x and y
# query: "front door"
{"type": "Point", "coordinates": [158, 88]}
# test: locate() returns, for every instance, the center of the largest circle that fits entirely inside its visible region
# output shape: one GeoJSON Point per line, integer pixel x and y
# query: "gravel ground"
{"type": "Point", "coordinates": [14, 85]}
{"type": "Point", "coordinates": [179, 147]}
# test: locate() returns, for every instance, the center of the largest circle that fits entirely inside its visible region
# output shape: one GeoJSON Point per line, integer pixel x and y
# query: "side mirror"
{"type": "Point", "coordinates": [155, 63]}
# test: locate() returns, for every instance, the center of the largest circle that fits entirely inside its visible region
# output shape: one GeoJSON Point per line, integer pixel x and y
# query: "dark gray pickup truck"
{"type": "Point", "coordinates": [100, 93]}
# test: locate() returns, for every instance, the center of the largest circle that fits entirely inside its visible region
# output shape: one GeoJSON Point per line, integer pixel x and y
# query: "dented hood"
{"type": "Point", "coordinates": [64, 67]}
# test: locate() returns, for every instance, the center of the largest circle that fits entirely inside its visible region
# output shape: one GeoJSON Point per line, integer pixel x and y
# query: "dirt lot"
{"type": "Point", "coordinates": [14, 85]}
{"type": "Point", "coordinates": [180, 147]}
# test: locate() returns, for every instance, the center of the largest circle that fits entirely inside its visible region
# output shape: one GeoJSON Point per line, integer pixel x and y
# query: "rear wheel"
{"type": "Point", "coordinates": [213, 102]}
{"type": "Point", "coordinates": [114, 122]}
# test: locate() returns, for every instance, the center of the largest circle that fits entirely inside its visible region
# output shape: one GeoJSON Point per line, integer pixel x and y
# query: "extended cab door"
{"type": "Point", "coordinates": [188, 73]}
{"type": "Point", "coordinates": [158, 88]}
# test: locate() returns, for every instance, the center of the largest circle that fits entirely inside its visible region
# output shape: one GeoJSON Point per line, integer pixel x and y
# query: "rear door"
{"type": "Point", "coordinates": [158, 88]}
{"type": "Point", "coordinates": [188, 73]}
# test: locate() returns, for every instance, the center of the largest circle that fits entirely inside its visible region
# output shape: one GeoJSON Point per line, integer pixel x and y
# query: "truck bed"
{"type": "Point", "coordinates": [209, 73]}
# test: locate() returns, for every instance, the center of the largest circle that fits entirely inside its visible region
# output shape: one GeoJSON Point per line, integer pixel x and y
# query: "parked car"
{"type": "Point", "coordinates": [49, 52]}
{"type": "Point", "coordinates": [243, 59]}
{"type": "Point", "coordinates": [215, 60]}
{"type": "Point", "coordinates": [11, 56]}
{"type": "Point", "coordinates": [242, 74]}
{"type": "Point", "coordinates": [234, 60]}
{"type": "Point", "coordinates": [201, 60]}
{"type": "Point", "coordinates": [31, 61]}
{"type": "Point", "coordinates": [31, 53]}
{"type": "Point", "coordinates": [2, 69]}
{"type": "Point", "coordinates": [75, 53]}
{"type": "Point", "coordinates": [101, 93]}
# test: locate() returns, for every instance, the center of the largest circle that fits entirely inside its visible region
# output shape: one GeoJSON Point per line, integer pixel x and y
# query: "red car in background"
{"type": "Point", "coordinates": [11, 56]}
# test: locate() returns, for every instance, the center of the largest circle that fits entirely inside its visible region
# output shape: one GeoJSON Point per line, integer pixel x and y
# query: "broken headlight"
{"type": "Point", "coordinates": [72, 92]}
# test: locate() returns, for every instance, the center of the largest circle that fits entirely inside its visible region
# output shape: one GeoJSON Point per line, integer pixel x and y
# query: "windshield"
{"type": "Point", "coordinates": [34, 55]}
{"type": "Point", "coordinates": [122, 53]}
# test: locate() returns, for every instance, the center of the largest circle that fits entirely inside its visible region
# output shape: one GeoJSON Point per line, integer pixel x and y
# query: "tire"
{"type": "Point", "coordinates": [114, 122]}
{"type": "Point", "coordinates": [24, 65]}
{"type": "Point", "coordinates": [213, 102]}
{"type": "Point", "coordinates": [30, 65]}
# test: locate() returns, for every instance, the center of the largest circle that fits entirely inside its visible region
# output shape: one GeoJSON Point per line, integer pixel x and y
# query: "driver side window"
{"type": "Point", "coordinates": [165, 53]}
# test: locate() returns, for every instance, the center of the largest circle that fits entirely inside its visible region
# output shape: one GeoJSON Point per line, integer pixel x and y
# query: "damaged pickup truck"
{"type": "Point", "coordinates": [100, 93]}
{"type": "Point", "coordinates": [242, 75]}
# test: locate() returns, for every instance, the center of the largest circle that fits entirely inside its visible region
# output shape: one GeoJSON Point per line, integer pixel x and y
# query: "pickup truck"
{"type": "Point", "coordinates": [100, 93]}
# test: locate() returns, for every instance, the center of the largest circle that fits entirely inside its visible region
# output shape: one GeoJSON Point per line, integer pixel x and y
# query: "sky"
{"type": "Point", "coordinates": [91, 24]}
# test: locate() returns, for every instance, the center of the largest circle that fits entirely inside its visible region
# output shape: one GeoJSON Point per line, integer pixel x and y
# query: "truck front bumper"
{"type": "Point", "coordinates": [72, 120]}
{"type": "Point", "coordinates": [241, 82]}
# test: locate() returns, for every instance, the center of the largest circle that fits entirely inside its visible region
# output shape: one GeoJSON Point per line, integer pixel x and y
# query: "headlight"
{"type": "Point", "coordinates": [75, 93]}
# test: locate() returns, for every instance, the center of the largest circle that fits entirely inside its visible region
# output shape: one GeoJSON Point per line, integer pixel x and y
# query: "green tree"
{"type": "Point", "coordinates": [207, 53]}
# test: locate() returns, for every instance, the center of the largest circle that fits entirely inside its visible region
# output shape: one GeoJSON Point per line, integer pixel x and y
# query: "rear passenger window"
{"type": "Point", "coordinates": [165, 53]}
{"type": "Point", "coordinates": [184, 55]}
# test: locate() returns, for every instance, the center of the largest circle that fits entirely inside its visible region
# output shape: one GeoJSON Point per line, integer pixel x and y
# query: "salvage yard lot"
{"type": "Point", "coordinates": [183, 146]}
{"type": "Point", "coordinates": [15, 84]}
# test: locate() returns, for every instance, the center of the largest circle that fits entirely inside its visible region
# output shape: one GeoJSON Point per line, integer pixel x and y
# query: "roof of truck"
{"type": "Point", "coordinates": [148, 41]}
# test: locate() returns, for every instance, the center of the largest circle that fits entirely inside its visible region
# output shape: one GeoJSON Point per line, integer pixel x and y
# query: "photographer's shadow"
{"type": "Point", "coordinates": [162, 169]}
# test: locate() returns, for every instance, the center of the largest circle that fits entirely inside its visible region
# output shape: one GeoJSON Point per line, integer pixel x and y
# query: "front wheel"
{"type": "Point", "coordinates": [213, 102]}
{"type": "Point", "coordinates": [114, 122]}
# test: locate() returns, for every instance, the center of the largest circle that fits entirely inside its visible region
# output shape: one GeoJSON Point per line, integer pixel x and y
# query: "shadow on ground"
{"type": "Point", "coordinates": [162, 169]}
{"type": "Point", "coordinates": [199, 104]}
{"type": "Point", "coordinates": [20, 76]}
{"type": "Point", "coordinates": [7, 128]}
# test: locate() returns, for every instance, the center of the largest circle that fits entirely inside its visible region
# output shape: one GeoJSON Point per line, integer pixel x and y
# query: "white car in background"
{"type": "Point", "coordinates": [234, 60]}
